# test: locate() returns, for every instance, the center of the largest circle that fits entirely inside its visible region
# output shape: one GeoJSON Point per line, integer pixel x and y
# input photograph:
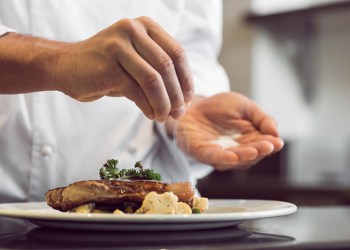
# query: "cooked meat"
{"type": "Point", "coordinates": [113, 192]}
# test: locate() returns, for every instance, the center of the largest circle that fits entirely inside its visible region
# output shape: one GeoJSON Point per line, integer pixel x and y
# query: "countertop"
{"type": "Point", "coordinates": [309, 228]}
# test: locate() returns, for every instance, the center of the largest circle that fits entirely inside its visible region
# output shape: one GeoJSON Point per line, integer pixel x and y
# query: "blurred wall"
{"type": "Point", "coordinates": [298, 70]}
{"type": "Point", "coordinates": [301, 75]}
{"type": "Point", "coordinates": [237, 42]}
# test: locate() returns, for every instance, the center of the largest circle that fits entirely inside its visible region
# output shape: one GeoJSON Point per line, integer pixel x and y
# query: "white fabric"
{"type": "Point", "coordinates": [4, 30]}
{"type": "Point", "coordinates": [48, 139]}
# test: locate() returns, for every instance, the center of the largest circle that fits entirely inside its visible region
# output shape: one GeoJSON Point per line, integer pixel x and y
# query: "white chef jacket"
{"type": "Point", "coordinates": [49, 140]}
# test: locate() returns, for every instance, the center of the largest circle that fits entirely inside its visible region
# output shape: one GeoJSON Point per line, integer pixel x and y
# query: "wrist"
{"type": "Point", "coordinates": [28, 64]}
{"type": "Point", "coordinates": [46, 60]}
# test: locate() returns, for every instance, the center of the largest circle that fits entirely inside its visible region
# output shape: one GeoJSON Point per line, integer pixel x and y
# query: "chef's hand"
{"type": "Point", "coordinates": [227, 131]}
{"type": "Point", "coordinates": [134, 58]}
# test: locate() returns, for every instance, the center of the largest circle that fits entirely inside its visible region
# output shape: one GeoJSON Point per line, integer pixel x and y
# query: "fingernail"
{"type": "Point", "coordinates": [161, 120]}
{"type": "Point", "coordinates": [188, 104]}
{"type": "Point", "coordinates": [188, 96]}
{"type": "Point", "coordinates": [150, 116]}
{"type": "Point", "coordinates": [178, 112]}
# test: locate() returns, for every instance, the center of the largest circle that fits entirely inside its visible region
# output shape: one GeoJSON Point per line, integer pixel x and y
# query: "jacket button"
{"type": "Point", "coordinates": [46, 150]}
{"type": "Point", "coordinates": [131, 150]}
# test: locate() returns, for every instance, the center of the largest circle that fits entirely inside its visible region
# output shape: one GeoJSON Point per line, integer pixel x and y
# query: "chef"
{"type": "Point", "coordinates": [83, 81]}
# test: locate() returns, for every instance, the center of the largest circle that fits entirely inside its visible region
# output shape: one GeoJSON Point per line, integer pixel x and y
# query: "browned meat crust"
{"type": "Point", "coordinates": [112, 192]}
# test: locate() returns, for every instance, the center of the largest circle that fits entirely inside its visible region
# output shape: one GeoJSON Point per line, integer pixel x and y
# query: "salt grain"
{"type": "Point", "coordinates": [228, 141]}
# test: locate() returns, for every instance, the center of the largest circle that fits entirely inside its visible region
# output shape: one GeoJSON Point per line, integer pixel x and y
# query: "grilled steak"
{"type": "Point", "coordinates": [113, 192]}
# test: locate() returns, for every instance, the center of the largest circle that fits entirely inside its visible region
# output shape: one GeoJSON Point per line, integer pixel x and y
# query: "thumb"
{"type": "Point", "coordinates": [261, 120]}
{"type": "Point", "coordinates": [269, 126]}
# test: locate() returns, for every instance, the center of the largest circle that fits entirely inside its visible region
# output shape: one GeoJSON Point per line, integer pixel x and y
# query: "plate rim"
{"type": "Point", "coordinates": [285, 209]}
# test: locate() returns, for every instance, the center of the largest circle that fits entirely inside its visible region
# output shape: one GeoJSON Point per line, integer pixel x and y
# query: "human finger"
{"type": "Point", "coordinates": [239, 166]}
{"type": "Point", "coordinates": [265, 123]}
{"type": "Point", "coordinates": [176, 53]}
{"type": "Point", "coordinates": [245, 153]}
{"type": "Point", "coordinates": [129, 88]}
{"type": "Point", "coordinates": [263, 148]}
{"type": "Point", "coordinates": [115, 93]}
{"type": "Point", "coordinates": [276, 142]}
{"type": "Point", "coordinates": [90, 98]}
{"type": "Point", "coordinates": [214, 155]}
{"type": "Point", "coordinates": [257, 137]}
{"type": "Point", "coordinates": [149, 80]}
{"type": "Point", "coordinates": [135, 93]}
{"type": "Point", "coordinates": [163, 64]}
{"type": "Point", "coordinates": [248, 155]}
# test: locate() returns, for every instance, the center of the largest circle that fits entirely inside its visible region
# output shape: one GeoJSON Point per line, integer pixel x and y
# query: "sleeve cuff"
{"type": "Point", "coordinates": [4, 30]}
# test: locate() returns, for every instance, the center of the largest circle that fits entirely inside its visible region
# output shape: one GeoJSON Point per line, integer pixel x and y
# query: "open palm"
{"type": "Point", "coordinates": [228, 131]}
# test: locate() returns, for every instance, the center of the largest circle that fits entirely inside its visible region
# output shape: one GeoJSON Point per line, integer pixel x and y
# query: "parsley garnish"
{"type": "Point", "coordinates": [109, 171]}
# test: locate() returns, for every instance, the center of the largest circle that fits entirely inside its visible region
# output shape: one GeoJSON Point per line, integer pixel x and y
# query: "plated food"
{"type": "Point", "coordinates": [120, 191]}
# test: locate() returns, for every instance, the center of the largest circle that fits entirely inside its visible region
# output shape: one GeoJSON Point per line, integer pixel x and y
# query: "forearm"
{"type": "Point", "coordinates": [27, 64]}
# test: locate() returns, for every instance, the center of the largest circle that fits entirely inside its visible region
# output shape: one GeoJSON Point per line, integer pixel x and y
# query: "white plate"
{"type": "Point", "coordinates": [221, 213]}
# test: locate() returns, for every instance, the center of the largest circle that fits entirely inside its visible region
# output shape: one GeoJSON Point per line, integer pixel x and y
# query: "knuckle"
{"type": "Point", "coordinates": [111, 46]}
{"type": "Point", "coordinates": [145, 19]}
{"type": "Point", "coordinates": [179, 54]}
{"type": "Point", "coordinates": [162, 111]}
{"type": "Point", "coordinates": [152, 81]}
{"type": "Point", "coordinates": [176, 99]}
{"type": "Point", "coordinates": [186, 83]}
{"type": "Point", "coordinates": [166, 66]}
{"type": "Point", "coordinates": [128, 25]}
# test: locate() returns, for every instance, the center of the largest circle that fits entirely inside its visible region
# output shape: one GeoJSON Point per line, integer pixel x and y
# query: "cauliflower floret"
{"type": "Point", "coordinates": [84, 208]}
{"type": "Point", "coordinates": [117, 211]}
{"type": "Point", "coordinates": [184, 208]}
{"type": "Point", "coordinates": [166, 203]}
{"type": "Point", "coordinates": [200, 203]}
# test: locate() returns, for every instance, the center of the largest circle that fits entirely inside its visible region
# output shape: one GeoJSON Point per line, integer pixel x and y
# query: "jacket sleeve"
{"type": "Point", "coordinates": [4, 30]}
{"type": "Point", "coordinates": [200, 32]}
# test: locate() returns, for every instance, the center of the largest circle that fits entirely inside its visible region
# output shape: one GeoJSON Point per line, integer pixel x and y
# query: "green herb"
{"type": "Point", "coordinates": [196, 210]}
{"type": "Point", "coordinates": [109, 171]}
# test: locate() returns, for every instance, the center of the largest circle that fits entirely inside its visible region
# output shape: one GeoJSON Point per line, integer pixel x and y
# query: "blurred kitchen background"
{"type": "Point", "coordinates": [293, 58]}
